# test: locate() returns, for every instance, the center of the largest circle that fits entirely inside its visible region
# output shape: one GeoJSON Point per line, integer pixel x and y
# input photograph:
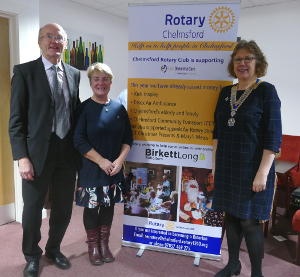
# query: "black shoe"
{"type": "Point", "coordinates": [59, 260]}
{"type": "Point", "coordinates": [230, 270]}
{"type": "Point", "coordinates": [31, 269]}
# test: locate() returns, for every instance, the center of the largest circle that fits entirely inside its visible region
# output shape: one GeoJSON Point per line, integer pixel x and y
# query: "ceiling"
{"type": "Point", "coordinates": [119, 7]}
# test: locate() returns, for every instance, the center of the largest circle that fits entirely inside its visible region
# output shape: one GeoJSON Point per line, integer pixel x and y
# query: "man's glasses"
{"type": "Point", "coordinates": [53, 37]}
{"type": "Point", "coordinates": [246, 60]}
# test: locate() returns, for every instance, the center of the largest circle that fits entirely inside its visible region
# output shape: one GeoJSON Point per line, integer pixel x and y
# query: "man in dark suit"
{"type": "Point", "coordinates": [43, 102]}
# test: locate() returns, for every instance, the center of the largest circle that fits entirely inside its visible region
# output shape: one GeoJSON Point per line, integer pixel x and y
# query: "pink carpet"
{"type": "Point", "coordinates": [278, 259]}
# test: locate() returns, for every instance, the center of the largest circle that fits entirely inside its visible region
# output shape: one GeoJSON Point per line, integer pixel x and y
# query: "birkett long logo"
{"type": "Point", "coordinates": [221, 19]}
{"type": "Point", "coordinates": [152, 154]}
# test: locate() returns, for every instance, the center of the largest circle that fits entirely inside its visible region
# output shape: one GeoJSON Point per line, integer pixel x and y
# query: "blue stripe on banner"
{"type": "Point", "coordinates": [172, 240]}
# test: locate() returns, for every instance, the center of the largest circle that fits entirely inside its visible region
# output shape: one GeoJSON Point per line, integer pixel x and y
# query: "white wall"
{"type": "Point", "coordinates": [82, 19]}
{"type": "Point", "coordinates": [24, 25]}
{"type": "Point", "coordinates": [276, 29]}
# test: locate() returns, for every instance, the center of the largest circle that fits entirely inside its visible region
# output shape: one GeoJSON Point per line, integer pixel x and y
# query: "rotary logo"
{"type": "Point", "coordinates": [170, 225]}
{"type": "Point", "coordinates": [221, 19]}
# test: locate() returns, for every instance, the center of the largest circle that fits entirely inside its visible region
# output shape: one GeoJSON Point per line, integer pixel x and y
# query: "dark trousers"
{"type": "Point", "coordinates": [58, 176]}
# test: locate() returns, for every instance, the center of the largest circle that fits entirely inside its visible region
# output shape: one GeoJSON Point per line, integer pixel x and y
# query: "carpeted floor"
{"type": "Point", "coordinates": [278, 258]}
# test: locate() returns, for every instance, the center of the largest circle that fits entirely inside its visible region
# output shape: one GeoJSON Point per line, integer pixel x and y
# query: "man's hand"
{"type": "Point", "coordinates": [26, 169]}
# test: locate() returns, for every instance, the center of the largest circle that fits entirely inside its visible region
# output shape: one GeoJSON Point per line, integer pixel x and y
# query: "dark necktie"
{"type": "Point", "coordinates": [61, 121]}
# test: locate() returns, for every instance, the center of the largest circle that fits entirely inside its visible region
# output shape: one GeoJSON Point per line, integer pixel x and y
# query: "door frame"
{"type": "Point", "coordinates": [24, 24]}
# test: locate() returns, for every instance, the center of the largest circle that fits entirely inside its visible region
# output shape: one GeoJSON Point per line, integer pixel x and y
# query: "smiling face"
{"type": "Point", "coordinates": [100, 84]}
{"type": "Point", "coordinates": [52, 42]}
{"type": "Point", "coordinates": [244, 65]}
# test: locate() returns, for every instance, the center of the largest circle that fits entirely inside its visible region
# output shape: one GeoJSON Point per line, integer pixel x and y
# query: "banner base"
{"type": "Point", "coordinates": [197, 256]}
{"type": "Point", "coordinates": [197, 260]}
{"type": "Point", "coordinates": [140, 252]}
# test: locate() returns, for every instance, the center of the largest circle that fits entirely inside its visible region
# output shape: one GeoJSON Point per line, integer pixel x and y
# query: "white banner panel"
{"type": "Point", "coordinates": [178, 57]}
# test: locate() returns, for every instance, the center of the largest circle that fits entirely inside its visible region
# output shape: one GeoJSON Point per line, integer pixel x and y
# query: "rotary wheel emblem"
{"type": "Point", "coordinates": [221, 19]}
{"type": "Point", "coordinates": [170, 225]}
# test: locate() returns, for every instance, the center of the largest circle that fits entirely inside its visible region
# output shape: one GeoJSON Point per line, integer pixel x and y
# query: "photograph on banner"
{"type": "Point", "coordinates": [157, 191]}
{"type": "Point", "coordinates": [196, 196]}
{"type": "Point", "coordinates": [152, 191]}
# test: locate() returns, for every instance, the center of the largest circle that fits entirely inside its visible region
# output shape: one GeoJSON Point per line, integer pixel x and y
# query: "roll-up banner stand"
{"type": "Point", "coordinates": [178, 56]}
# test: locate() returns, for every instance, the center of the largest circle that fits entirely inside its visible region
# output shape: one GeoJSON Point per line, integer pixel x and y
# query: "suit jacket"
{"type": "Point", "coordinates": [32, 111]}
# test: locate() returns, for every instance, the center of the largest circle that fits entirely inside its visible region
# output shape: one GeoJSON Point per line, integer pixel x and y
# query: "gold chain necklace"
{"type": "Point", "coordinates": [235, 104]}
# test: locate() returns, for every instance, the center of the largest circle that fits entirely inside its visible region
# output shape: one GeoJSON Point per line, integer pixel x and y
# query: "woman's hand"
{"type": "Point", "coordinates": [259, 183]}
{"type": "Point", "coordinates": [260, 180]}
{"type": "Point", "coordinates": [106, 165]}
{"type": "Point", "coordinates": [117, 166]}
{"type": "Point", "coordinates": [118, 163]}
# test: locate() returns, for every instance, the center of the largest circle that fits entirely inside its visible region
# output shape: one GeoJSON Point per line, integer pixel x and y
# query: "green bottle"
{"type": "Point", "coordinates": [100, 54]}
{"type": "Point", "coordinates": [67, 53]}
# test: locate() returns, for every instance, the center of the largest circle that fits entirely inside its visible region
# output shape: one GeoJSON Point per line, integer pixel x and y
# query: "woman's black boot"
{"type": "Point", "coordinates": [230, 270]}
{"type": "Point", "coordinates": [234, 239]}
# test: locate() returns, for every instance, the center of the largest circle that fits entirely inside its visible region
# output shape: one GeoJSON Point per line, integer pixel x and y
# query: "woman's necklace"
{"type": "Point", "coordinates": [236, 103]}
{"type": "Point", "coordinates": [106, 105]}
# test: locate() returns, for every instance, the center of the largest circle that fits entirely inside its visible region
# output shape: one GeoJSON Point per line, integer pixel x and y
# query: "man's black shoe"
{"type": "Point", "coordinates": [59, 260]}
{"type": "Point", "coordinates": [31, 269]}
